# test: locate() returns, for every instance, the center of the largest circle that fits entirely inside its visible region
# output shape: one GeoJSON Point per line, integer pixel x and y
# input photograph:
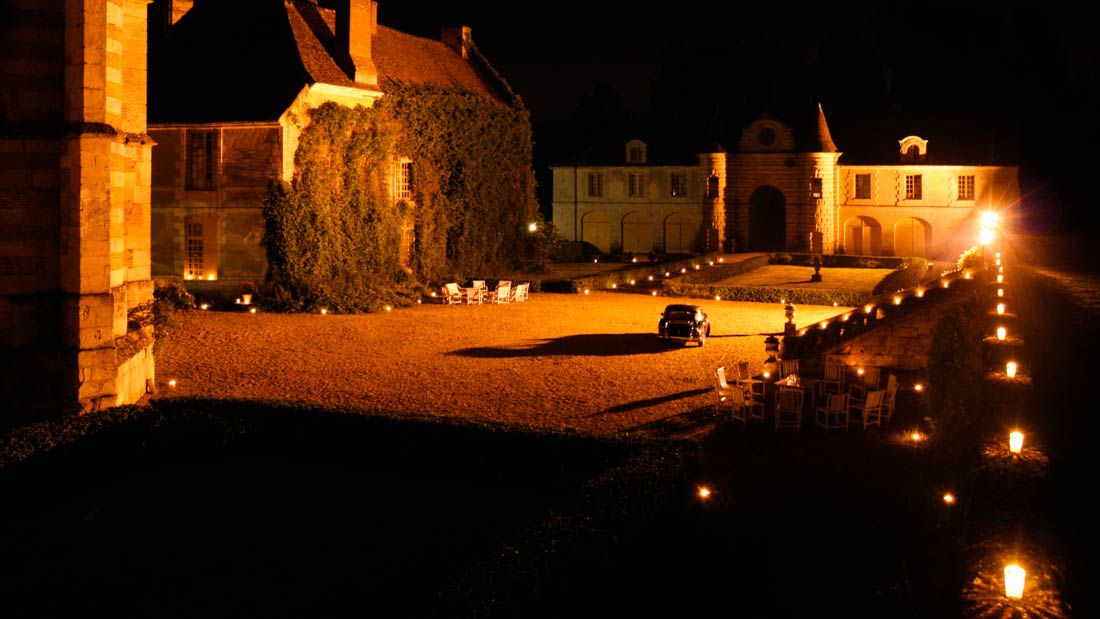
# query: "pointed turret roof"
{"type": "Point", "coordinates": [823, 138]}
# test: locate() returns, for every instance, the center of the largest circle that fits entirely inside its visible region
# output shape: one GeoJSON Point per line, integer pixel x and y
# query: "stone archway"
{"type": "Point", "coordinates": [912, 237]}
{"type": "Point", "coordinates": [637, 233]}
{"type": "Point", "coordinates": [863, 236]}
{"type": "Point", "coordinates": [596, 230]}
{"type": "Point", "coordinates": [767, 219]}
{"type": "Point", "coordinates": [680, 232]}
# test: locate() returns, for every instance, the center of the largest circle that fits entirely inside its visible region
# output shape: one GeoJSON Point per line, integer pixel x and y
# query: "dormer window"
{"type": "Point", "coordinates": [635, 151]}
{"type": "Point", "coordinates": [913, 148]}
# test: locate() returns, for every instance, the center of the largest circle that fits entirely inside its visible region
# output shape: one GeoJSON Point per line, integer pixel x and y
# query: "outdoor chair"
{"type": "Point", "coordinates": [722, 389]}
{"type": "Point", "coordinates": [869, 411]}
{"type": "Point", "coordinates": [519, 292]}
{"type": "Point", "coordinates": [834, 380]}
{"type": "Point", "coordinates": [503, 293]}
{"type": "Point", "coordinates": [754, 386]}
{"type": "Point", "coordinates": [481, 288]}
{"type": "Point", "coordinates": [890, 397]}
{"type": "Point", "coordinates": [453, 294]}
{"type": "Point", "coordinates": [745, 407]}
{"type": "Point", "coordinates": [834, 415]}
{"type": "Point", "coordinates": [473, 295]}
{"type": "Point", "coordinates": [788, 367]}
{"type": "Point", "coordinates": [788, 407]}
{"type": "Point", "coordinates": [867, 382]}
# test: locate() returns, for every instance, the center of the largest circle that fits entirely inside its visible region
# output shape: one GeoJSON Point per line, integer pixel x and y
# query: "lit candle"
{"type": "Point", "coordinates": [711, 263]}
{"type": "Point", "coordinates": [998, 262]}
{"type": "Point", "coordinates": [949, 498]}
{"type": "Point", "coordinates": [654, 293]}
{"type": "Point", "coordinates": [614, 286]}
{"type": "Point", "coordinates": [1016, 442]}
{"type": "Point", "coordinates": [860, 371]}
{"type": "Point", "coordinates": [998, 255]}
{"type": "Point", "coordinates": [324, 311]}
{"type": "Point", "coordinates": [721, 260]}
{"type": "Point", "coordinates": [1002, 333]}
{"type": "Point", "coordinates": [210, 277]}
{"type": "Point", "coordinates": [835, 304]}
{"type": "Point", "coordinates": [946, 284]}
{"type": "Point", "coordinates": [1000, 279]}
{"type": "Point", "coordinates": [1000, 292]}
{"type": "Point", "coordinates": [684, 270]}
{"type": "Point", "coordinates": [667, 274]}
{"type": "Point", "coordinates": [585, 291]}
{"type": "Point", "coordinates": [172, 383]}
{"type": "Point", "coordinates": [388, 308]}
{"type": "Point", "coordinates": [1010, 369]}
{"type": "Point", "coordinates": [1014, 581]}
{"type": "Point", "coordinates": [897, 300]}
{"type": "Point", "coordinates": [920, 293]}
{"type": "Point", "coordinates": [204, 306]}
{"type": "Point", "coordinates": [1000, 269]}
{"type": "Point", "coordinates": [696, 267]}
{"type": "Point", "coordinates": [717, 297]}
{"type": "Point", "coordinates": [967, 275]}
{"type": "Point", "coordinates": [824, 324]}
{"type": "Point", "coordinates": [1000, 308]}
{"type": "Point", "coordinates": [704, 492]}
{"type": "Point", "coordinates": [650, 278]}
{"type": "Point", "coordinates": [916, 437]}
{"type": "Point", "coordinates": [767, 375]}
{"type": "Point", "coordinates": [252, 311]}
{"type": "Point", "coordinates": [631, 282]}
{"type": "Point", "coordinates": [918, 387]}
{"type": "Point", "coordinates": [867, 309]}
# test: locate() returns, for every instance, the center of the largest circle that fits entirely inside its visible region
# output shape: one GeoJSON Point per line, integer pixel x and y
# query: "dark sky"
{"type": "Point", "coordinates": [1033, 63]}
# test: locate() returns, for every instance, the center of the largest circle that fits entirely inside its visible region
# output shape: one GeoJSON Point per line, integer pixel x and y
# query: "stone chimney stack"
{"type": "Point", "coordinates": [355, 24]}
{"type": "Point", "coordinates": [457, 38]}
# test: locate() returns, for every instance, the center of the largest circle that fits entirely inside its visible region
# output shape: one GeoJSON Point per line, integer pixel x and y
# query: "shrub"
{"type": "Point", "coordinates": [971, 258]}
{"type": "Point", "coordinates": [911, 273]}
{"type": "Point", "coordinates": [169, 297]}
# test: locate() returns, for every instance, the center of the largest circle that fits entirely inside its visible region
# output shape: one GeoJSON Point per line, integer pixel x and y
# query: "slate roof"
{"type": "Point", "coordinates": [246, 60]}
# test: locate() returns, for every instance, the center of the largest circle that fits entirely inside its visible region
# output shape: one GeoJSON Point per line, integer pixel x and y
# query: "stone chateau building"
{"type": "Point", "coordinates": [231, 87]}
{"type": "Point", "coordinates": [782, 182]}
{"type": "Point", "coordinates": [75, 287]}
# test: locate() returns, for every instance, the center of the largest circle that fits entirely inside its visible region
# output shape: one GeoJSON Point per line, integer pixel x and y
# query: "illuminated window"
{"type": "Point", "coordinates": [966, 187]}
{"type": "Point", "coordinates": [595, 185]}
{"type": "Point", "coordinates": [637, 186]}
{"type": "Point", "coordinates": [913, 187]}
{"type": "Point", "coordinates": [863, 186]}
{"type": "Point", "coordinates": [201, 247]}
{"type": "Point", "coordinates": [402, 189]}
{"type": "Point", "coordinates": [678, 182]}
{"type": "Point", "coordinates": [712, 186]}
{"type": "Point", "coordinates": [202, 155]}
{"type": "Point", "coordinates": [195, 252]}
{"type": "Point", "coordinates": [816, 188]}
{"type": "Point", "coordinates": [636, 154]}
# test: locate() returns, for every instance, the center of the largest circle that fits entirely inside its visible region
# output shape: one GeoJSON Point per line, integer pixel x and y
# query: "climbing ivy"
{"type": "Point", "coordinates": [333, 238]}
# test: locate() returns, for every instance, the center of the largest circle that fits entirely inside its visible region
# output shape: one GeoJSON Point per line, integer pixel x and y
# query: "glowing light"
{"type": "Point", "coordinates": [614, 286]}
{"type": "Point", "coordinates": [388, 308]}
{"type": "Point", "coordinates": [172, 383]}
{"type": "Point", "coordinates": [631, 282]}
{"type": "Point", "coordinates": [683, 270]}
{"type": "Point", "coordinates": [989, 219]}
{"type": "Point", "coordinates": [433, 294]}
{"type": "Point", "coordinates": [1014, 581]}
{"type": "Point", "coordinates": [667, 274]}
{"type": "Point", "coordinates": [252, 311]}
{"type": "Point", "coordinates": [824, 324]}
{"type": "Point", "coordinates": [717, 297]}
{"type": "Point", "coordinates": [696, 267]}
{"type": "Point", "coordinates": [867, 308]}
{"type": "Point", "coordinates": [1002, 333]}
{"type": "Point", "coordinates": [1000, 308]}
{"type": "Point", "coordinates": [204, 306]}
{"type": "Point", "coordinates": [721, 260]}
{"type": "Point", "coordinates": [920, 293]}
{"type": "Point", "coordinates": [1016, 442]}
{"type": "Point", "coordinates": [948, 498]}
{"type": "Point", "coordinates": [946, 284]}
{"type": "Point", "coordinates": [704, 492]}
{"type": "Point", "coordinates": [188, 276]}
{"type": "Point", "coordinates": [998, 254]}
{"type": "Point", "coordinates": [531, 227]}
{"type": "Point", "coordinates": [845, 317]}
{"type": "Point", "coordinates": [418, 301]}
{"type": "Point", "coordinates": [1010, 369]}
{"type": "Point", "coordinates": [918, 387]}
{"type": "Point", "coordinates": [246, 299]}
{"type": "Point", "coordinates": [211, 277]}
{"type": "Point", "coordinates": [783, 301]}
{"type": "Point", "coordinates": [595, 260]}
{"type": "Point", "coordinates": [835, 304]}
{"type": "Point", "coordinates": [654, 293]}
{"type": "Point", "coordinates": [650, 278]}
{"type": "Point", "coordinates": [967, 275]}
{"type": "Point", "coordinates": [1000, 269]}
{"type": "Point", "coordinates": [324, 311]}
{"type": "Point", "coordinates": [897, 300]}
{"type": "Point", "coordinates": [916, 437]}
{"type": "Point", "coordinates": [767, 375]}
{"type": "Point", "coordinates": [1000, 279]}
{"type": "Point", "coordinates": [1000, 292]}
{"type": "Point", "coordinates": [633, 259]}
{"type": "Point", "coordinates": [860, 371]}
{"type": "Point", "coordinates": [998, 262]}
{"type": "Point", "coordinates": [985, 236]}
{"type": "Point", "coordinates": [585, 291]}
{"type": "Point", "coordinates": [711, 263]}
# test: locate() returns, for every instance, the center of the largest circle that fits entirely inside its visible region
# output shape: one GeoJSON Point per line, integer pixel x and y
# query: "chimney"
{"type": "Point", "coordinates": [457, 38]}
{"type": "Point", "coordinates": [355, 23]}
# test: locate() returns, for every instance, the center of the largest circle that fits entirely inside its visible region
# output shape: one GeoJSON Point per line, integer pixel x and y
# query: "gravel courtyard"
{"type": "Point", "coordinates": [586, 363]}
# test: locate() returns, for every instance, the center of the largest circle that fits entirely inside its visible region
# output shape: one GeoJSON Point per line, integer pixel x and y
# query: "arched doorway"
{"type": "Point", "coordinates": [912, 237]}
{"type": "Point", "coordinates": [767, 219]}
{"type": "Point", "coordinates": [862, 236]}
{"type": "Point", "coordinates": [637, 233]}
{"type": "Point", "coordinates": [680, 231]}
{"type": "Point", "coordinates": [596, 229]}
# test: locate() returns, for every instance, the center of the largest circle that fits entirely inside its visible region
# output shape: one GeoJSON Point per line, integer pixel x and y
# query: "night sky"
{"type": "Point", "coordinates": [1028, 68]}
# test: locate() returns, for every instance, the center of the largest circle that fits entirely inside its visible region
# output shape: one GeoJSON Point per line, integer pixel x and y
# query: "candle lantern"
{"type": "Point", "coordinates": [1016, 442]}
{"type": "Point", "coordinates": [1000, 308]}
{"type": "Point", "coordinates": [1014, 581]}
{"type": "Point", "coordinates": [1010, 369]}
{"type": "Point", "coordinates": [1002, 333]}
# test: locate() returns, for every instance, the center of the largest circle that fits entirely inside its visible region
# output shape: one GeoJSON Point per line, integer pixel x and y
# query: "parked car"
{"type": "Point", "coordinates": [684, 323]}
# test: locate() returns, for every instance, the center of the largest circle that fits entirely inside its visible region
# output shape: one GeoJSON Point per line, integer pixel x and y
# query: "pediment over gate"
{"type": "Point", "coordinates": [767, 134]}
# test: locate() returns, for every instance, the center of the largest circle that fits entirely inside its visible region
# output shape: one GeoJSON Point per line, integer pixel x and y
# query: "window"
{"type": "Point", "coordinates": [402, 181]}
{"type": "Point", "coordinates": [966, 187]}
{"type": "Point", "coordinates": [200, 239]}
{"type": "Point", "coordinates": [712, 186]}
{"type": "Point", "coordinates": [637, 155]}
{"type": "Point", "coordinates": [863, 186]}
{"type": "Point", "coordinates": [202, 155]}
{"type": "Point", "coordinates": [637, 186]}
{"type": "Point", "coordinates": [678, 183]}
{"type": "Point", "coordinates": [595, 185]}
{"type": "Point", "coordinates": [816, 188]}
{"type": "Point", "coordinates": [912, 186]}
{"type": "Point", "coordinates": [194, 269]}
{"type": "Point", "coordinates": [766, 136]}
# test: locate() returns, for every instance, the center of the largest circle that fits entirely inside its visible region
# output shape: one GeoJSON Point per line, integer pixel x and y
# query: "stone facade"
{"type": "Point", "coordinates": [774, 190]}
{"type": "Point", "coordinates": [75, 255]}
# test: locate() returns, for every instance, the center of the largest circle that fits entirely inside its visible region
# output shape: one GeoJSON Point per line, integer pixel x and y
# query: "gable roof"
{"type": "Point", "coordinates": [246, 60]}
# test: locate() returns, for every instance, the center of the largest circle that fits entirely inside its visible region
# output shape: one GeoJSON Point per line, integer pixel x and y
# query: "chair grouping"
{"type": "Point", "coordinates": [478, 293]}
{"type": "Point", "coordinates": [836, 401]}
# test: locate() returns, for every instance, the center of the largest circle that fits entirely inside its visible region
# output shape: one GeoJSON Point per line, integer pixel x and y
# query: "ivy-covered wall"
{"type": "Point", "coordinates": [333, 235]}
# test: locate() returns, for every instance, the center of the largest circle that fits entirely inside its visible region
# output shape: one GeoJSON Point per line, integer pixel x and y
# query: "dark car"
{"type": "Point", "coordinates": [684, 323]}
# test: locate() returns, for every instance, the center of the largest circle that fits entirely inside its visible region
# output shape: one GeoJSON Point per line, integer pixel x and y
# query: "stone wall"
{"type": "Point", "coordinates": [75, 287]}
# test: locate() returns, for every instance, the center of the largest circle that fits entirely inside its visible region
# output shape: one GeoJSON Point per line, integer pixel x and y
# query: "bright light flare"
{"type": "Point", "coordinates": [948, 498]}
{"type": "Point", "coordinates": [532, 227]}
{"type": "Point", "coordinates": [1015, 576]}
{"type": "Point", "coordinates": [920, 293]}
{"type": "Point", "coordinates": [324, 311]}
{"type": "Point", "coordinates": [1016, 442]}
{"type": "Point", "coordinates": [388, 308]}
{"type": "Point", "coordinates": [916, 437]}
{"type": "Point", "coordinates": [1000, 279]}
{"type": "Point", "coordinates": [654, 293]}
{"type": "Point", "coordinates": [989, 219]}
{"type": "Point", "coordinates": [1000, 309]}
{"type": "Point", "coordinates": [703, 492]}
{"type": "Point", "coordinates": [1010, 369]}
{"type": "Point", "coordinates": [918, 387]}
{"type": "Point", "coordinates": [1000, 292]}
{"type": "Point", "coordinates": [985, 237]}
{"type": "Point", "coordinates": [204, 306]}
{"type": "Point", "coordinates": [1002, 333]}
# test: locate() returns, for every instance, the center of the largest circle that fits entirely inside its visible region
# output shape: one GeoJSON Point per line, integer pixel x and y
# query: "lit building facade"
{"type": "Point", "coordinates": [773, 191]}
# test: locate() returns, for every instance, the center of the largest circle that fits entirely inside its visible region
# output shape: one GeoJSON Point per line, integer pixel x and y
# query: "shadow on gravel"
{"type": "Point", "coordinates": [593, 345]}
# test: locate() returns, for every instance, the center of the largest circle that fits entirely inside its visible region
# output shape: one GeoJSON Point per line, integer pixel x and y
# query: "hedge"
{"type": "Point", "coordinates": [603, 281]}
